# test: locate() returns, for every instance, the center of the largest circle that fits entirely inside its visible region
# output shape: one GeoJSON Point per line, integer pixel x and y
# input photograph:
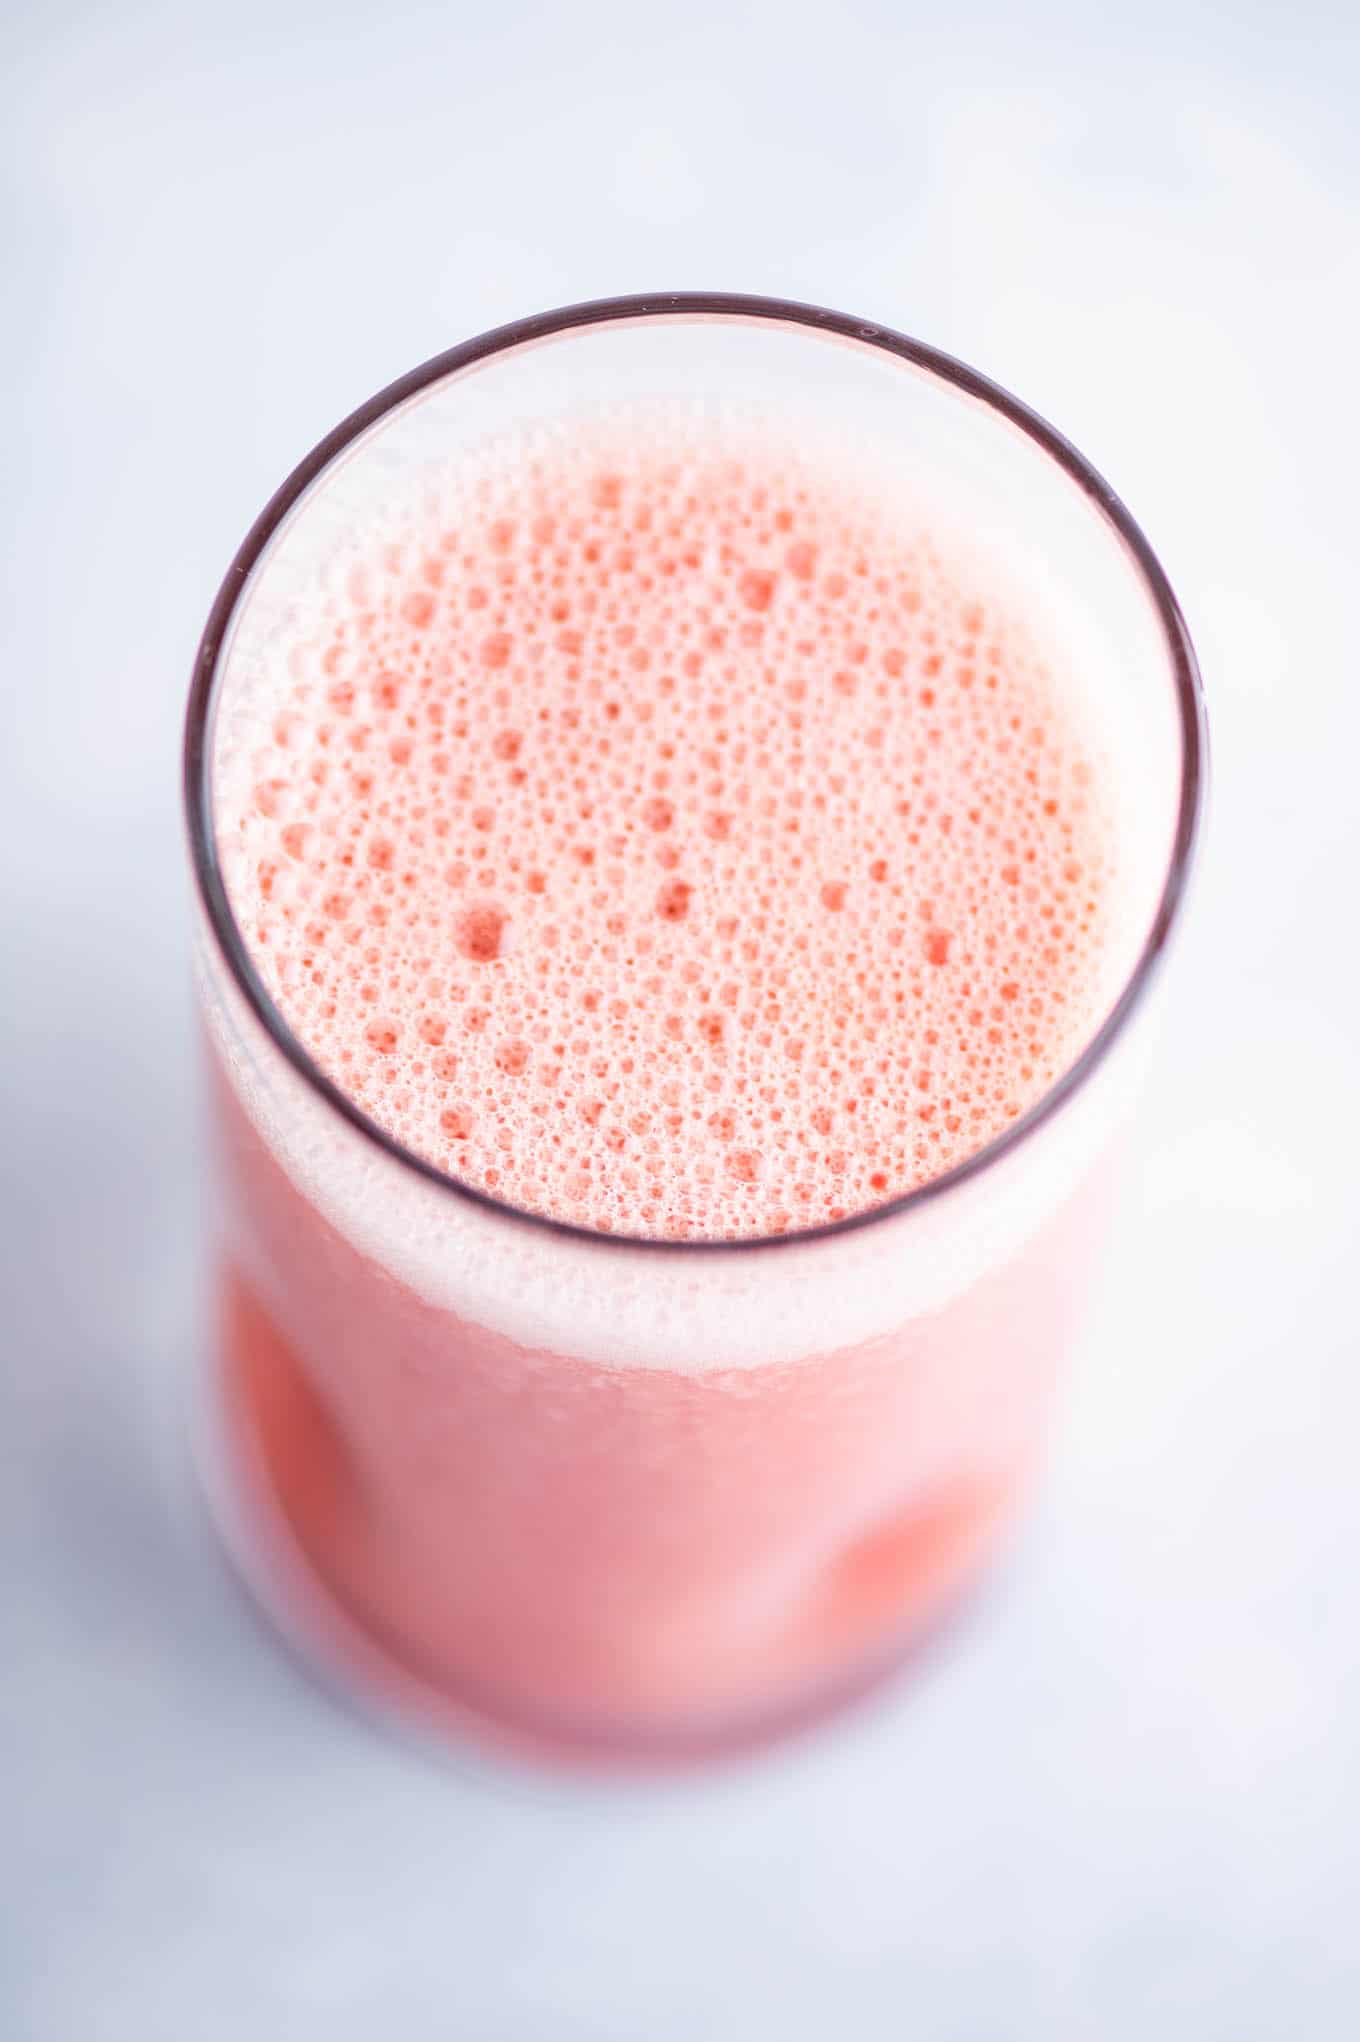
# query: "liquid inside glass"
{"type": "Point", "coordinates": [668, 824]}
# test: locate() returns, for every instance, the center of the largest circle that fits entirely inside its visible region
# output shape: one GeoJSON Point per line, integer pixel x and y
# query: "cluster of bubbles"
{"type": "Point", "coordinates": [662, 839]}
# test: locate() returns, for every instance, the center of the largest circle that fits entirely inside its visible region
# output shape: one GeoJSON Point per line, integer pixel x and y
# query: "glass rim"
{"type": "Point", "coordinates": [692, 305]}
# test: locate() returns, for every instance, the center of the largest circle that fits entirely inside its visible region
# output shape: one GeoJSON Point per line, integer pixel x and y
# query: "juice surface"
{"type": "Point", "coordinates": [663, 838]}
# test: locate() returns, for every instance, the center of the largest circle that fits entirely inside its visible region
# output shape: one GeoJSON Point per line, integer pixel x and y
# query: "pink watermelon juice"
{"type": "Point", "coordinates": [656, 837]}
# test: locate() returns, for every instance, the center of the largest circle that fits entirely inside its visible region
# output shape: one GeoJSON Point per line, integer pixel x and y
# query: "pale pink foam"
{"type": "Point", "coordinates": [668, 842]}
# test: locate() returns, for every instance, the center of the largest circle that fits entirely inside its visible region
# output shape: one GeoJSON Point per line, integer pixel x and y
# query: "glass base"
{"type": "Point", "coordinates": [356, 1668]}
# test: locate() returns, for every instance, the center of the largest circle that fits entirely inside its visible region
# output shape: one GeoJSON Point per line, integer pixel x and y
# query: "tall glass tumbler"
{"type": "Point", "coordinates": [629, 1497]}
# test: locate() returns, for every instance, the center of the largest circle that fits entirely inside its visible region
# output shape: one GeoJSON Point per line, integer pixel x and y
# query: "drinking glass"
{"type": "Point", "coordinates": [634, 1498]}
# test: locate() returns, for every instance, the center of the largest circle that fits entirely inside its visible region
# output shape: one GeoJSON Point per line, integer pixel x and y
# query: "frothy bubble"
{"type": "Point", "coordinates": [661, 838]}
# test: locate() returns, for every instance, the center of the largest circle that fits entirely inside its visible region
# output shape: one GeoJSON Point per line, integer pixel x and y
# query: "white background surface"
{"type": "Point", "coordinates": [1126, 1803]}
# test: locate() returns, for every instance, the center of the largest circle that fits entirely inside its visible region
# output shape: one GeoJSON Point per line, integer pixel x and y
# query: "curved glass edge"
{"type": "Point", "coordinates": [197, 763]}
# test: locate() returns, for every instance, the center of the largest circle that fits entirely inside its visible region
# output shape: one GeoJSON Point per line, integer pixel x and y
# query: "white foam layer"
{"type": "Point", "coordinates": [624, 1305]}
